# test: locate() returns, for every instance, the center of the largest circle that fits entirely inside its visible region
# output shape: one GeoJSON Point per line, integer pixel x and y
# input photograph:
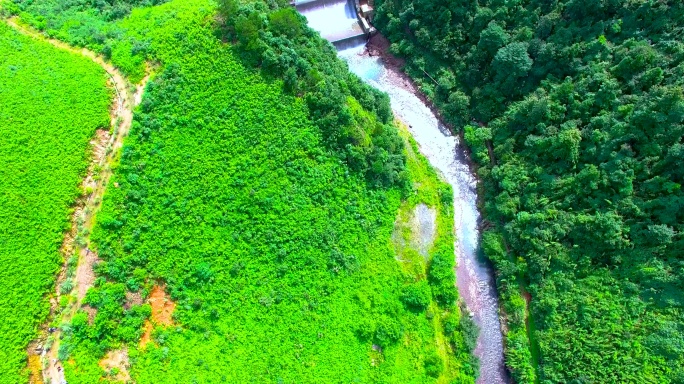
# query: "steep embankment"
{"type": "Point", "coordinates": [51, 105]}
{"type": "Point", "coordinates": [576, 111]}
{"type": "Point", "coordinates": [445, 152]}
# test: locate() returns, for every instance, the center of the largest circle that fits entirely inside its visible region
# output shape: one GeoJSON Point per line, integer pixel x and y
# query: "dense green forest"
{"type": "Point", "coordinates": [261, 185]}
{"type": "Point", "coordinates": [573, 111]}
{"type": "Point", "coordinates": [51, 102]}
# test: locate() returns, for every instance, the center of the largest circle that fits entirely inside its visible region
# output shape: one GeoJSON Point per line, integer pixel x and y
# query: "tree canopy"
{"type": "Point", "coordinates": [574, 113]}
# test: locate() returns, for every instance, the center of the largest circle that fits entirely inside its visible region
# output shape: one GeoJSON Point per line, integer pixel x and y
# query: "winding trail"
{"type": "Point", "coordinates": [105, 148]}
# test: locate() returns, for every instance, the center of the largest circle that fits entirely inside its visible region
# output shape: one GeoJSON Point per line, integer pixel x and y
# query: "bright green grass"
{"type": "Point", "coordinates": [280, 259]}
{"type": "Point", "coordinates": [51, 102]}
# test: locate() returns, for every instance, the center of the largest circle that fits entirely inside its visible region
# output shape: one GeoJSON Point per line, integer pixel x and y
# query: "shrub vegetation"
{"type": "Point", "coordinates": [263, 195]}
{"type": "Point", "coordinates": [51, 102]}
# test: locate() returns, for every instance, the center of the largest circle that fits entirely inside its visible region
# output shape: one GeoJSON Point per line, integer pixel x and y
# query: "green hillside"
{"type": "Point", "coordinates": [51, 102]}
{"type": "Point", "coordinates": [262, 195]}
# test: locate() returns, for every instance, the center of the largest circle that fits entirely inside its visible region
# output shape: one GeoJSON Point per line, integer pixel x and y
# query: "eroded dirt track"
{"type": "Point", "coordinates": [105, 148]}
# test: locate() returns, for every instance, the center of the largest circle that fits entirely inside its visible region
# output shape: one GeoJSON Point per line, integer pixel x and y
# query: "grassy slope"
{"type": "Point", "coordinates": [279, 259]}
{"type": "Point", "coordinates": [51, 102]}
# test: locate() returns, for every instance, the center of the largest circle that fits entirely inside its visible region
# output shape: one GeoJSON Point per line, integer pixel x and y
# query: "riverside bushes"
{"type": "Point", "coordinates": [51, 102]}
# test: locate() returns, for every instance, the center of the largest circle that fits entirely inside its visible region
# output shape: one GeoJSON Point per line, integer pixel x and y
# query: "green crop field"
{"type": "Point", "coordinates": [51, 102]}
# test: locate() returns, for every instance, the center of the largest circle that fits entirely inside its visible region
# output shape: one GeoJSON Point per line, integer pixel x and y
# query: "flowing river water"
{"type": "Point", "coordinates": [446, 153]}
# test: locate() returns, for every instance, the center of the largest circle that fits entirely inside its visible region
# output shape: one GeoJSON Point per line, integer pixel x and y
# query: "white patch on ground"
{"type": "Point", "coordinates": [117, 360]}
{"type": "Point", "coordinates": [423, 228]}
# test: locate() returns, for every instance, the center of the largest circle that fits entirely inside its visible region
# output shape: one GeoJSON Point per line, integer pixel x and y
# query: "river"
{"type": "Point", "coordinates": [475, 281]}
{"type": "Point", "coordinates": [445, 152]}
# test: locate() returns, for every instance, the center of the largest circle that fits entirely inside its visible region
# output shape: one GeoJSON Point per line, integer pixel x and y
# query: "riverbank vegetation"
{"type": "Point", "coordinates": [51, 103]}
{"type": "Point", "coordinates": [430, 261]}
{"type": "Point", "coordinates": [573, 111]}
{"type": "Point", "coordinates": [263, 196]}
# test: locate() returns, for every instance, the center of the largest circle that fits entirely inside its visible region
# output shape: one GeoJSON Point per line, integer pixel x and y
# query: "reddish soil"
{"type": "Point", "coordinates": [378, 45]}
{"type": "Point", "coordinates": [162, 313]}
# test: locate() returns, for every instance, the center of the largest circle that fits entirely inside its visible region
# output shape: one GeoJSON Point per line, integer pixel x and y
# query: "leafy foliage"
{"type": "Point", "coordinates": [51, 102]}
{"type": "Point", "coordinates": [270, 238]}
{"type": "Point", "coordinates": [416, 296]}
{"type": "Point", "coordinates": [277, 40]}
{"type": "Point", "coordinates": [574, 111]}
{"type": "Point", "coordinates": [78, 22]}
{"type": "Point", "coordinates": [454, 329]}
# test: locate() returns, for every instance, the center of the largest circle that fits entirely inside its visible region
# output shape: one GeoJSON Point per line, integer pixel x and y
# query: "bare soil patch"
{"type": "Point", "coordinates": [91, 313]}
{"type": "Point", "coordinates": [85, 276]}
{"type": "Point", "coordinates": [132, 299]}
{"type": "Point", "coordinates": [378, 45]}
{"type": "Point", "coordinates": [117, 363]}
{"type": "Point", "coordinates": [34, 370]}
{"type": "Point", "coordinates": [162, 306]}
{"type": "Point", "coordinates": [162, 313]}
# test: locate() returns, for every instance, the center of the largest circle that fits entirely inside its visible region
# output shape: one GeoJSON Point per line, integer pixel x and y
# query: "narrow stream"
{"type": "Point", "coordinates": [475, 280]}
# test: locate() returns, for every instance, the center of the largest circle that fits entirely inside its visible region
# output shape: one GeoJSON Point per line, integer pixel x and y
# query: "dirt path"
{"type": "Point", "coordinates": [105, 147]}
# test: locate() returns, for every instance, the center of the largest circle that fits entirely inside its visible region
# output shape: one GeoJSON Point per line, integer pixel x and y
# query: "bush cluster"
{"type": "Point", "coordinates": [275, 38]}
